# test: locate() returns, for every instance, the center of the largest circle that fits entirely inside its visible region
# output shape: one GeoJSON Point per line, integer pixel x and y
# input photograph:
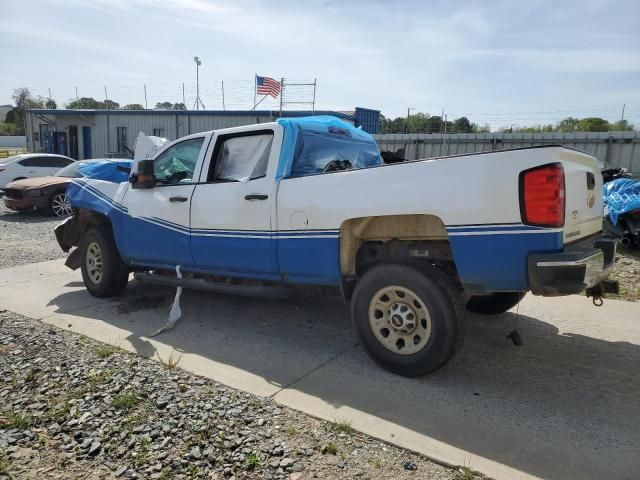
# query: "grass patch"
{"type": "Point", "coordinates": [252, 461]}
{"type": "Point", "coordinates": [330, 448]}
{"type": "Point", "coordinates": [21, 421]}
{"type": "Point", "coordinates": [104, 350]}
{"type": "Point", "coordinates": [125, 401]}
{"type": "Point", "coordinates": [291, 431]}
{"type": "Point", "coordinates": [376, 462]}
{"type": "Point", "coordinates": [172, 361]}
{"type": "Point", "coordinates": [464, 473]}
{"type": "Point", "coordinates": [4, 463]}
{"type": "Point", "coordinates": [341, 426]}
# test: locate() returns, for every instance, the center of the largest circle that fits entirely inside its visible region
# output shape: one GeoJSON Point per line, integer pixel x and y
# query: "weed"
{"type": "Point", "coordinates": [464, 473]}
{"type": "Point", "coordinates": [291, 431]}
{"type": "Point", "coordinates": [193, 470]}
{"type": "Point", "coordinates": [4, 463]}
{"type": "Point", "coordinates": [96, 379]}
{"type": "Point", "coordinates": [331, 448]}
{"type": "Point", "coordinates": [104, 350]}
{"type": "Point", "coordinates": [341, 426]}
{"type": "Point", "coordinates": [252, 461]}
{"type": "Point", "coordinates": [21, 421]}
{"type": "Point", "coordinates": [376, 462]}
{"type": "Point", "coordinates": [125, 401]}
{"type": "Point", "coordinates": [171, 362]}
{"type": "Point", "coordinates": [31, 376]}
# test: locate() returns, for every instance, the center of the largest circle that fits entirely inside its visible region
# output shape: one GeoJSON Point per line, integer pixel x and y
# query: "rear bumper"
{"type": "Point", "coordinates": [572, 270]}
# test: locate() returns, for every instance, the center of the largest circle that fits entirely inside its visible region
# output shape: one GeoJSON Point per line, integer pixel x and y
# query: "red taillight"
{"type": "Point", "coordinates": [542, 196]}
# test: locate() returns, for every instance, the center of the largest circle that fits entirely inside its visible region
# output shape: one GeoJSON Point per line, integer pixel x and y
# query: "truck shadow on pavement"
{"type": "Point", "coordinates": [560, 406]}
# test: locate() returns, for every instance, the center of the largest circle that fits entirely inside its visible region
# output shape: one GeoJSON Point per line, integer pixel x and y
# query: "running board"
{"type": "Point", "coordinates": [274, 292]}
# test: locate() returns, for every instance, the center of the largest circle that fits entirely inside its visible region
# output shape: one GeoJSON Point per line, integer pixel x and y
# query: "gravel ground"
{"type": "Point", "coordinates": [71, 407]}
{"type": "Point", "coordinates": [27, 237]}
{"type": "Point", "coordinates": [627, 272]}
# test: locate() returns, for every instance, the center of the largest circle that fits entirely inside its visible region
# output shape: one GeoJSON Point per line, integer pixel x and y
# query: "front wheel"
{"type": "Point", "coordinates": [103, 271]}
{"type": "Point", "coordinates": [59, 205]}
{"type": "Point", "coordinates": [410, 321]}
{"type": "Point", "coordinates": [494, 303]}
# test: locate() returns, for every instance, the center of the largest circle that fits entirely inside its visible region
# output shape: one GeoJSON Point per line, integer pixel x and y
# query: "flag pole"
{"type": "Point", "coordinates": [254, 107]}
{"type": "Point", "coordinates": [255, 89]}
{"type": "Point", "coordinates": [281, 93]}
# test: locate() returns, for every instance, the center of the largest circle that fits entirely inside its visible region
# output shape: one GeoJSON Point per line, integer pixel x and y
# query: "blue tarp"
{"type": "Point", "coordinates": [311, 142]}
{"type": "Point", "coordinates": [106, 170]}
{"type": "Point", "coordinates": [621, 196]}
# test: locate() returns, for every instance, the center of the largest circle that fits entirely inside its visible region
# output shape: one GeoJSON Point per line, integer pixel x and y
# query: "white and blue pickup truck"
{"type": "Point", "coordinates": [259, 209]}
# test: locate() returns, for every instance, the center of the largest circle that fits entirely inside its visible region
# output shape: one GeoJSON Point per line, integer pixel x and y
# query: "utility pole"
{"type": "Point", "coordinates": [145, 97]}
{"type": "Point", "coordinates": [406, 124]}
{"type": "Point", "coordinates": [223, 105]}
{"type": "Point", "coordinates": [621, 117]}
{"type": "Point", "coordinates": [198, 100]}
{"type": "Point", "coordinates": [76, 93]}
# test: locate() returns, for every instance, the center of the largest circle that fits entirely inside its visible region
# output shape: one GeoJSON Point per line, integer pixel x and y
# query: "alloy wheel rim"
{"type": "Point", "coordinates": [400, 320]}
{"type": "Point", "coordinates": [61, 206]}
{"type": "Point", "coordinates": [94, 262]}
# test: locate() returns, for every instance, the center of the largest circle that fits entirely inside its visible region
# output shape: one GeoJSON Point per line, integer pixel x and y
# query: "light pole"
{"type": "Point", "coordinates": [406, 126]}
{"type": "Point", "coordinates": [198, 101]}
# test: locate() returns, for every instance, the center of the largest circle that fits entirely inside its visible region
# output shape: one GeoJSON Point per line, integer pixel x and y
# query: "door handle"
{"type": "Point", "coordinates": [256, 196]}
{"type": "Point", "coordinates": [178, 199]}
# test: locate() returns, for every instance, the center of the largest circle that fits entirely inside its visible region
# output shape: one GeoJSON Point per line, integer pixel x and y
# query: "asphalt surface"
{"type": "Point", "coordinates": [564, 405]}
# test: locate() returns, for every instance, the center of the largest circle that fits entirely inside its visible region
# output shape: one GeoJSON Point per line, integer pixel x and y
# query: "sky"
{"type": "Point", "coordinates": [500, 62]}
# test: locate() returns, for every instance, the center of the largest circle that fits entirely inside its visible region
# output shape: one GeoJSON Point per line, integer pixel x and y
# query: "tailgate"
{"type": "Point", "coordinates": [583, 195]}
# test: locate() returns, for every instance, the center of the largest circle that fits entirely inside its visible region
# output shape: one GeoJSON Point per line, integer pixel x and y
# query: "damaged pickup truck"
{"type": "Point", "coordinates": [260, 209]}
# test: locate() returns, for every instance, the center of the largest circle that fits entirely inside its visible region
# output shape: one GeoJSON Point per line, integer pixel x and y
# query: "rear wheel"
{"type": "Point", "coordinates": [103, 271]}
{"type": "Point", "coordinates": [494, 303]}
{"type": "Point", "coordinates": [410, 321]}
{"type": "Point", "coordinates": [59, 205]}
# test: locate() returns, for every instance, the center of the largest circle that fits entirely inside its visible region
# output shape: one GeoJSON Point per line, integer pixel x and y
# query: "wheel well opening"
{"type": "Point", "coordinates": [413, 239]}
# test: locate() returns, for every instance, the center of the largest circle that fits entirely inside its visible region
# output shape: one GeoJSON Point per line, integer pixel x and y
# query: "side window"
{"type": "Point", "coordinates": [241, 158]}
{"type": "Point", "coordinates": [60, 162]}
{"type": "Point", "coordinates": [37, 162]}
{"type": "Point", "coordinates": [176, 164]}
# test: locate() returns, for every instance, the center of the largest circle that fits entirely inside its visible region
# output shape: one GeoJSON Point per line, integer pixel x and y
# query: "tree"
{"type": "Point", "coordinates": [621, 126]}
{"type": "Point", "coordinates": [179, 106]}
{"type": "Point", "coordinates": [86, 103]}
{"type": "Point", "coordinates": [462, 125]}
{"type": "Point", "coordinates": [110, 105]}
{"type": "Point", "coordinates": [593, 124]}
{"type": "Point", "coordinates": [51, 103]}
{"type": "Point", "coordinates": [569, 124]}
{"type": "Point", "coordinates": [133, 106]}
{"type": "Point", "coordinates": [24, 100]}
{"type": "Point", "coordinates": [164, 106]}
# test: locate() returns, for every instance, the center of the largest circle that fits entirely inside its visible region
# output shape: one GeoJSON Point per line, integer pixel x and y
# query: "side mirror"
{"type": "Point", "coordinates": [144, 177]}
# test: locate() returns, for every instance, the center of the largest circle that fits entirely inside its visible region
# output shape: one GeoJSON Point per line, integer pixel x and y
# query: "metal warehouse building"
{"type": "Point", "coordinates": [84, 134]}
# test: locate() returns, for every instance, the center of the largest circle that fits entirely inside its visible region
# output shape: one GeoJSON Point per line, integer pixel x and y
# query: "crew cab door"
{"type": "Point", "coordinates": [156, 229]}
{"type": "Point", "coordinates": [233, 205]}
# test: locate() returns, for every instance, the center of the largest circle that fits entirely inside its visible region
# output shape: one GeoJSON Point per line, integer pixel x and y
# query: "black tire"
{"type": "Point", "coordinates": [439, 296]}
{"type": "Point", "coordinates": [494, 303]}
{"type": "Point", "coordinates": [114, 273]}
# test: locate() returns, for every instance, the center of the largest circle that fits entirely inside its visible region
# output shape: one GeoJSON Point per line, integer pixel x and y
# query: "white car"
{"type": "Point", "coordinates": [31, 165]}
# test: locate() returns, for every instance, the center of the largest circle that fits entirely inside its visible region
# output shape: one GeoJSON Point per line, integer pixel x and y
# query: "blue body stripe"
{"type": "Point", "coordinates": [487, 257]}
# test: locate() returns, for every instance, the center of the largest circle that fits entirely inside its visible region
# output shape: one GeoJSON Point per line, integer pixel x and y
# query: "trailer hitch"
{"type": "Point", "coordinates": [597, 292]}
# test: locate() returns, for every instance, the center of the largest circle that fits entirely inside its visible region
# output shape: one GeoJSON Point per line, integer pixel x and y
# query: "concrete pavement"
{"type": "Point", "coordinates": [565, 405]}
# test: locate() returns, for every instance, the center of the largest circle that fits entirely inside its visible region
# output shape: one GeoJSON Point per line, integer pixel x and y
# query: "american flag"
{"type": "Point", "coordinates": [267, 86]}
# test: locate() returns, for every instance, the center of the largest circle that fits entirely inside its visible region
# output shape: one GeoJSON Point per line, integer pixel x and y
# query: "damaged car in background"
{"type": "Point", "coordinates": [261, 209]}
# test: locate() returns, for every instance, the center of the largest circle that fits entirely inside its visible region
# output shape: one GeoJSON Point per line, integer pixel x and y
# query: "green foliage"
{"type": "Point", "coordinates": [133, 106]}
{"type": "Point", "coordinates": [89, 103]}
{"type": "Point", "coordinates": [170, 106]}
{"type": "Point", "coordinates": [593, 124]}
{"type": "Point", "coordinates": [252, 461]}
{"type": "Point", "coordinates": [125, 401]}
{"type": "Point", "coordinates": [7, 128]}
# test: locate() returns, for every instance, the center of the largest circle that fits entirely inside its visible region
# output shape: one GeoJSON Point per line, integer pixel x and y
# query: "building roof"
{"type": "Point", "coordinates": [230, 113]}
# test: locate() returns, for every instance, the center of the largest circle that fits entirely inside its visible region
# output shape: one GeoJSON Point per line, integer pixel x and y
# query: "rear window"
{"type": "Point", "coordinates": [71, 171]}
{"type": "Point", "coordinates": [315, 152]}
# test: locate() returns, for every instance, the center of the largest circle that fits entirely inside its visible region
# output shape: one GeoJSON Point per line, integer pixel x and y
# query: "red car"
{"type": "Point", "coordinates": [43, 193]}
